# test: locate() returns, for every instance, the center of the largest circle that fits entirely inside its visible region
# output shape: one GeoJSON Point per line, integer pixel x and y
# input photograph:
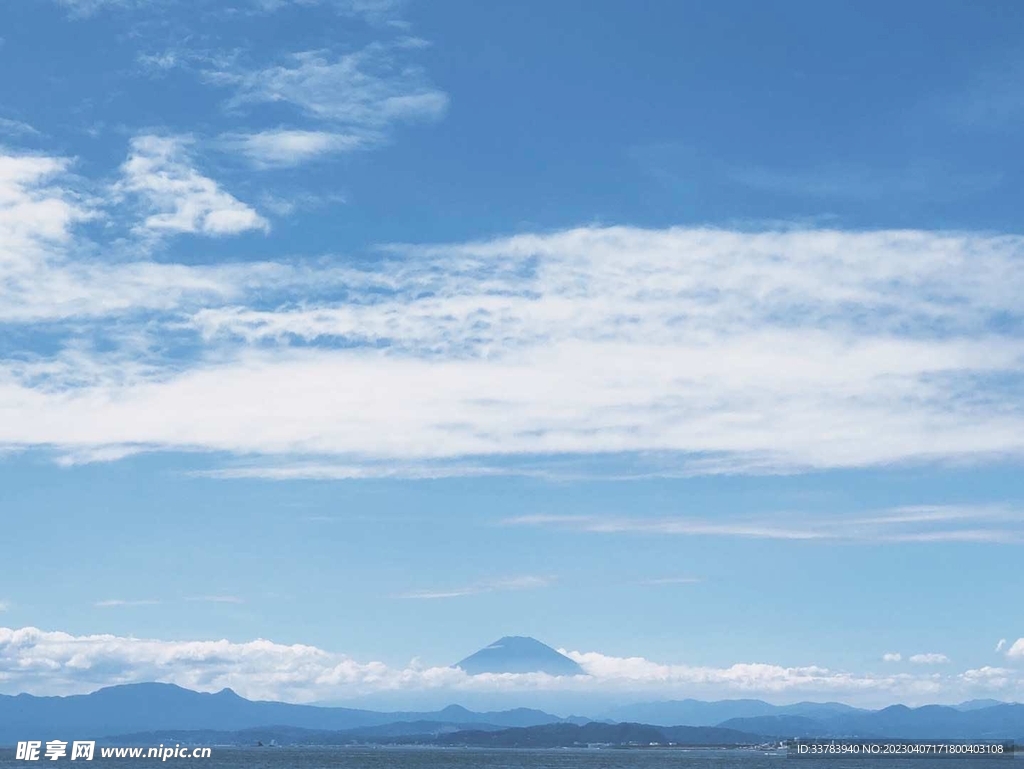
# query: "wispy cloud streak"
{"type": "Point", "coordinates": [528, 582]}
{"type": "Point", "coordinates": [354, 99]}
{"type": "Point", "coordinates": [991, 524]}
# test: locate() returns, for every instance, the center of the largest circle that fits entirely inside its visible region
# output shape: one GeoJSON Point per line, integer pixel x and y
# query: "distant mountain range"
{"type": "Point", "coordinates": [897, 721]}
{"type": "Point", "coordinates": [972, 719]}
{"type": "Point", "coordinates": [701, 713]}
{"type": "Point", "coordinates": [140, 712]}
{"type": "Point", "coordinates": [519, 654]}
{"type": "Point", "coordinates": [153, 706]}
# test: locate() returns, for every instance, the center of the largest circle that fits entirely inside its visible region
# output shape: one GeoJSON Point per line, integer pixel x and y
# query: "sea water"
{"type": "Point", "coordinates": [476, 758]}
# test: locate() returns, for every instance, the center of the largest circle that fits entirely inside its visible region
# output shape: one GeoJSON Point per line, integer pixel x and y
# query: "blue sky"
{"type": "Point", "coordinates": [342, 337]}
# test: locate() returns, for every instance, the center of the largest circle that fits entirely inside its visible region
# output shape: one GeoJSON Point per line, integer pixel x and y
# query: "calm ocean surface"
{"type": "Point", "coordinates": [458, 758]}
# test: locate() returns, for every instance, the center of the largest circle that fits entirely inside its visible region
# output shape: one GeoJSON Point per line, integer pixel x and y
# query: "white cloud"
{"type": "Point", "coordinates": [159, 170]}
{"type": "Point", "coordinates": [557, 399]}
{"type": "Point", "coordinates": [676, 310]}
{"type": "Point", "coordinates": [929, 659]}
{"type": "Point", "coordinates": [365, 91]}
{"type": "Point", "coordinates": [283, 147]}
{"type": "Point", "coordinates": [939, 523]}
{"type": "Point", "coordinates": [4, 606]}
{"type": "Point", "coordinates": [744, 677]}
{"type": "Point", "coordinates": [527, 582]}
{"type": "Point", "coordinates": [167, 60]}
{"type": "Point", "coordinates": [118, 602]}
{"type": "Point", "coordinates": [56, 290]}
{"type": "Point", "coordinates": [678, 351]}
{"type": "Point", "coordinates": [998, 681]}
{"type": "Point", "coordinates": [346, 99]}
{"type": "Point", "coordinates": [35, 216]}
{"type": "Point", "coordinates": [44, 662]}
{"type": "Point", "coordinates": [1001, 645]}
{"type": "Point", "coordinates": [16, 127]}
{"type": "Point", "coordinates": [50, 272]}
{"type": "Point", "coordinates": [331, 471]}
{"type": "Point", "coordinates": [892, 657]}
{"type": "Point", "coordinates": [1017, 649]}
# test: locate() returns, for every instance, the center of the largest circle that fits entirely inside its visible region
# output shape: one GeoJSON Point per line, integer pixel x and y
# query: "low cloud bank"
{"type": "Point", "coordinates": [52, 662]}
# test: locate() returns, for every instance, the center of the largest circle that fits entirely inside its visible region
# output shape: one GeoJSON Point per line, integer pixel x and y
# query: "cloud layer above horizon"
{"type": "Point", "coordinates": [703, 350]}
{"type": "Point", "coordinates": [48, 662]}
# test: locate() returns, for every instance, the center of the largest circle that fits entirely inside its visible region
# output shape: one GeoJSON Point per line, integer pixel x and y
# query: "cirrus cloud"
{"type": "Point", "coordinates": [922, 523]}
{"type": "Point", "coordinates": [525, 582]}
{"type": "Point", "coordinates": [287, 147]}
